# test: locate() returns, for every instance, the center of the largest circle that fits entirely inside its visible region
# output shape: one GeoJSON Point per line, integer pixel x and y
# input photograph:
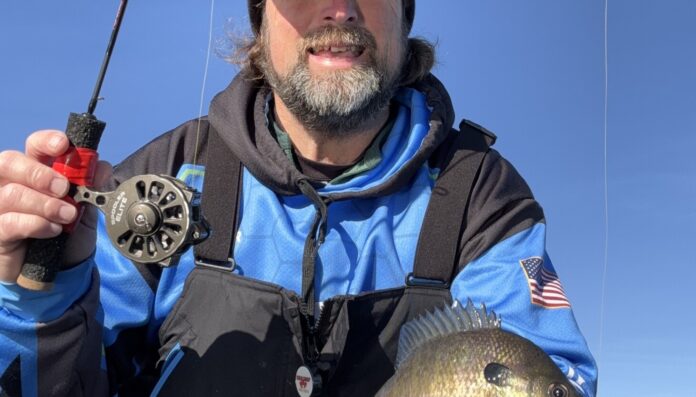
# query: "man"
{"type": "Point", "coordinates": [336, 228]}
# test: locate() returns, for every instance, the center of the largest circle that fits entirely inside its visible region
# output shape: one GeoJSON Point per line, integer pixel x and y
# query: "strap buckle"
{"type": "Point", "coordinates": [228, 266]}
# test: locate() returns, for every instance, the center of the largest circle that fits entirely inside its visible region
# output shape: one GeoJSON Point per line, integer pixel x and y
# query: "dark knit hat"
{"type": "Point", "coordinates": [256, 13]}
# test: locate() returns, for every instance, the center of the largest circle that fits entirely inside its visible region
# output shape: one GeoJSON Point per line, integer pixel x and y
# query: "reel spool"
{"type": "Point", "coordinates": [150, 218]}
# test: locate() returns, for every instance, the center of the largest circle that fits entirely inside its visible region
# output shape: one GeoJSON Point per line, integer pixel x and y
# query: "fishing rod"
{"type": "Point", "coordinates": [149, 218]}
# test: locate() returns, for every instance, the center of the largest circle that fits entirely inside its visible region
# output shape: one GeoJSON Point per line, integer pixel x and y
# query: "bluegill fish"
{"type": "Point", "coordinates": [462, 351]}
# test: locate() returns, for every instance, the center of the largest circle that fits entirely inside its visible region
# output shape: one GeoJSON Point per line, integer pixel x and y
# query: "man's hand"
{"type": "Point", "coordinates": [31, 205]}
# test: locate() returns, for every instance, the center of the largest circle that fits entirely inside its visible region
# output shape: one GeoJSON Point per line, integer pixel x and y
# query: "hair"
{"type": "Point", "coordinates": [247, 52]}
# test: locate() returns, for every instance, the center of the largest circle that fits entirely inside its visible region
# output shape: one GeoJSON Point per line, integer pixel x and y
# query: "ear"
{"type": "Point", "coordinates": [498, 374]}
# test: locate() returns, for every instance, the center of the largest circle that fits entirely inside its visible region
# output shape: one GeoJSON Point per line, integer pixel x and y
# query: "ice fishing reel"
{"type": "Point", "coordinates": [150, 218]}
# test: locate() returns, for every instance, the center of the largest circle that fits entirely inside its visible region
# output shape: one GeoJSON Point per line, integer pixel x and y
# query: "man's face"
{"type": "Point", "coordinates": [333, 63]}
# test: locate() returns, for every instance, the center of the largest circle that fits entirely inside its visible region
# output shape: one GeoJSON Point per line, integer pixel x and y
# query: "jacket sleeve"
{"type": "Point", "coordinates": [88, 336]}
{"type": "Point", "coordinates": [50, 342]}
{"type": "Point", "coordinates": [504, 264]}
{"type": "Point", "coordinates": [95, 332]}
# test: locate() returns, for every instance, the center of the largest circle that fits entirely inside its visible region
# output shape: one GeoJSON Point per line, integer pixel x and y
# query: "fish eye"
{"type": "Point", "coordinates": [558, 390]}
{"type": "Point", "coordinates": [498, 374]}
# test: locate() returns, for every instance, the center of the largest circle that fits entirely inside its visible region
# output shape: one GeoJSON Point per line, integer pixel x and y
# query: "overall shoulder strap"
{"type": "Point", "coordinates": [445, 217]}
{"type": "Point", "coordinates": [219, 203]}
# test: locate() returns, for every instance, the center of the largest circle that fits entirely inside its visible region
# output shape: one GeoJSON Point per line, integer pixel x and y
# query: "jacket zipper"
{"type": "Point", "coordinates": [314, 329]}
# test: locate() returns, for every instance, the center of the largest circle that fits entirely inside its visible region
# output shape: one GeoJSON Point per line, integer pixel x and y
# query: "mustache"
{"type": "Point", "coordinates": [328, 35]}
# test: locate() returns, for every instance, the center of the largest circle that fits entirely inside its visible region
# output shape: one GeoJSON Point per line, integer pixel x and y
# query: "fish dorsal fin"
{"type": "Point", "coordinates": [442, 322]}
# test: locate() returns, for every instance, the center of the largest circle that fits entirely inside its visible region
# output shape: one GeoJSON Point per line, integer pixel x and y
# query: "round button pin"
{"type": "Point", "coordinates": [304, 381]}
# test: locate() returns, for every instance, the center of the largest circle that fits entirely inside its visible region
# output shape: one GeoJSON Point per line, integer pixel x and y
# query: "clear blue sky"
{"type": "Point", "coordinates": [532, 71]}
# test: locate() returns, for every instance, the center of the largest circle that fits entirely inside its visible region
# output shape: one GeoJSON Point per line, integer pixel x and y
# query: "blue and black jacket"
{"type": "Point", "coordinates": [111, 326]}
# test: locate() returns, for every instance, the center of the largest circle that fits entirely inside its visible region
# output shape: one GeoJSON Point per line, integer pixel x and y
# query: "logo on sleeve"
{"type": "Point", "coordinates": [544, 285]}
{"type": "Point", "coordinates": [11, 380]}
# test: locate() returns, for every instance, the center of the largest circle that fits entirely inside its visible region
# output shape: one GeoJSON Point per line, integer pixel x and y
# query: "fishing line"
{"type": "Point", "coordinates": [205, 79]}
{"type": "Point", "coordinates": [606, 180]}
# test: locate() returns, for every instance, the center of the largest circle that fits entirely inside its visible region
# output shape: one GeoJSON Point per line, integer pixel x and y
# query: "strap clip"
{"type": "Point", "coordinates": [228, 266]}
{"type": "Point", "coordinates": [413, 281]}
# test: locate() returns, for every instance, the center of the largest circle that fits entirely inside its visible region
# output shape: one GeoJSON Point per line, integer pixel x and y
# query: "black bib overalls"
{"type": "Point", "coordinates": [237, 336]}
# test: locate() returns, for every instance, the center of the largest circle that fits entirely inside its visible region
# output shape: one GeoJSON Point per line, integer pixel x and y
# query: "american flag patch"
{"type": "Point", "coordinates": [544, 286]}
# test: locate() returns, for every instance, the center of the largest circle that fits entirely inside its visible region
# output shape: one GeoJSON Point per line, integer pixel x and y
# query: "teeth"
{"type": "Point", "coordinates": [336, 49]}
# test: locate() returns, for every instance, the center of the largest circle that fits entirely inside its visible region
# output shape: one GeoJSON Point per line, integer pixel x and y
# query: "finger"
{"type": "Point", "coordinates": [82, 240]}
{"type": "Point", "coordinates": [44, 145]}
{"type": "Point", "coordinates": [11, 258]}
{"type": "Point", "coordinates": [15, 167]}
{"type": "Point", "coordinates": [18, 198]}
{"type": "Point", "coordinates": [15, 227]}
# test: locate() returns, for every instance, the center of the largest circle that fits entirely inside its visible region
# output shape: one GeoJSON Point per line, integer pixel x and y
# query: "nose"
{"type": "Point", "coordinates": [341, 11]}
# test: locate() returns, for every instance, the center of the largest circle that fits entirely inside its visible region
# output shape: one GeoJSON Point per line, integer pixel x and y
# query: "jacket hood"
{"type": "Point", "coordinates": [238, 114]}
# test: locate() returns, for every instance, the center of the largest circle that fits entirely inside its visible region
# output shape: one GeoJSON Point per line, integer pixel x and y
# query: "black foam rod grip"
{"type": "Point", "coordinates": [84, 130]}
{"type": "Point", "coordinates": [42, 263]}
{"type": "Point", "coordinates": [44, 258]}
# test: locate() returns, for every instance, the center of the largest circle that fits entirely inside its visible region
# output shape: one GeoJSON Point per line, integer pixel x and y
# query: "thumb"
{"type": "Point", "coordinates": [103, 175]}
{"type": "Point", "coordinates": [82, 241]}
{"type": "Point", "coordinates": [102, 179]}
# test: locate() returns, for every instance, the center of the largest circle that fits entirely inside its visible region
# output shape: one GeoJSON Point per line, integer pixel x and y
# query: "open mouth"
{"type": "Point", "coordinates": [337, 51]}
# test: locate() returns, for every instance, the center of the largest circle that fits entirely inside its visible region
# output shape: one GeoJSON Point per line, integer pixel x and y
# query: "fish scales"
{"type": "Point", "coordinates": [477, 360]}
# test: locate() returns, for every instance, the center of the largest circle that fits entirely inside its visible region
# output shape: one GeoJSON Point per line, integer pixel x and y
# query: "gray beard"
{"type": "Point", "coordinates": [337, 104]}
{"type": "Point", "coordinates": [340, 103]}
